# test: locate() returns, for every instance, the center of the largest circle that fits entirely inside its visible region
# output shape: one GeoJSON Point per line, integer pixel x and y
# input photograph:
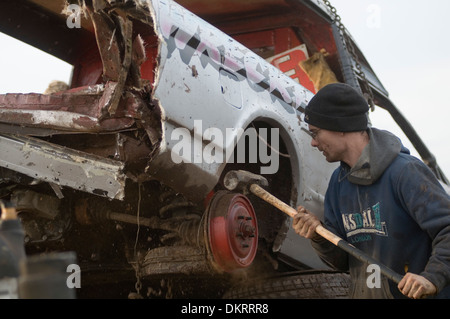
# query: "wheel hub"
{"type": "Point", "coordinates": [232, 231]}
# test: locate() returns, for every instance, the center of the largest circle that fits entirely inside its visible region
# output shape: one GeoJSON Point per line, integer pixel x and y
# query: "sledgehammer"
{"type": "Point", "coordinates": [246, 181]}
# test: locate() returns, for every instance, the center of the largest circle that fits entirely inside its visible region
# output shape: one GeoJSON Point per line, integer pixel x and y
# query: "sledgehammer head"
{"type": "Point", "coordinates": [241, 180]}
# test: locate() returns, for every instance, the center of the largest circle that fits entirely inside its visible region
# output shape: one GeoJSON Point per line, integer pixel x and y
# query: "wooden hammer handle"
{"type": "Point", "coordinates": [325, 233]}
{"type": "Point", "coordinates": [265, 195]}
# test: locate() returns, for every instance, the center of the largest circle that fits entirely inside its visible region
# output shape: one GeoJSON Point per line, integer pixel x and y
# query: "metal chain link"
{"type": "Point", "coordinates": [136, 254]}
{"type": "Point", "coordinates": [138, 284]}
{"type": "Point", "coordinates": [346, 41]}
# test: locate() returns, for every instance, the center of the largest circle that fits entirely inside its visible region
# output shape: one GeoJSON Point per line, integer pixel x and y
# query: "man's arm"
{"type": "Point", "coordinates": [429, 205]}
{"type": "Point", "coordinates": [305, 224]}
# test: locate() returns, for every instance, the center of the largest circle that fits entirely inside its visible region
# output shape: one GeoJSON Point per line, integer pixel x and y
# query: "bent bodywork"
{"type": "Point", "coordinates": [62, 166]}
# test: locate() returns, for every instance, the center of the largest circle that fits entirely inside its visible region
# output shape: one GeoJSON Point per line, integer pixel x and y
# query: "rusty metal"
{"type": "Point", "coordinates": [42, 205]}
{"type": "Point", "coordinates": [188, 227]}
{"type": "Point", "coordinates": [231, 236]}
{"type": "Point", "coordinates": [48, 162]}
{"type": "Point", "coordinates": [79, 111]}
{"type": "Point", "coordinates": [233, 231]}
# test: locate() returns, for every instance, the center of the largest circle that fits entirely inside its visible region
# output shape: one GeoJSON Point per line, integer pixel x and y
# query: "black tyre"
{"type": "Point", "coordinates": [299, 285]}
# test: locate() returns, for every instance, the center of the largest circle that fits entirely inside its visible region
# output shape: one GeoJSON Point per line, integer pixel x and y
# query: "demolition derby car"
{"type": "Point", "coordinates": [125, 165]}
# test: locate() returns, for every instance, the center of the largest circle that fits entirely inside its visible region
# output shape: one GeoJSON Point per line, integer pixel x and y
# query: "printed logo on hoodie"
{"type": "Point", "coordinates": [366, 222]}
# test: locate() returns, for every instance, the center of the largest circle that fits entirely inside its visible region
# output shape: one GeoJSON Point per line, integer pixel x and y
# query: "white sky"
{"type": "Point", "coordinates": [406, 42]}
{"type": "Point", "coordinates": [24, 69]}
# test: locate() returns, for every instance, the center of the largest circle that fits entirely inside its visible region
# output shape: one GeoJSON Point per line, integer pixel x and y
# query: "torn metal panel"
{"type": "Point", "coordinates": [78, 110]}
{"type": "Point", "coordinates": [51, 119]}
{"type": "Point", "coordinates": [109, 48]}
{"type": "Point", "coordinates": [118, 50]}
{"type": "Point", "coordinates": [106, 27]}
{"type": "Point", "coordinates": [112, 106]}
{"type": "Point", "coordinates": [62, 166]}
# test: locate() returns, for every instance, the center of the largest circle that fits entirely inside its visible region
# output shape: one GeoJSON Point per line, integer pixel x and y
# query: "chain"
{"type": "Point", "coordinates": [138, 284]}
{"type": "Point", "coordinates": [367, 91]}
{"type": "Point", "coordinates": [136, 254]}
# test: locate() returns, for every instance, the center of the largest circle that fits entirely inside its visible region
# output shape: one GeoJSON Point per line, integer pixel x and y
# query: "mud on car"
{"type": "Point", "coordinates": [125, 165]}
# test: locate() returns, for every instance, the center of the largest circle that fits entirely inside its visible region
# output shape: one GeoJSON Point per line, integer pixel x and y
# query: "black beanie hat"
{"type": "Point", "coordinates": [338, 107]}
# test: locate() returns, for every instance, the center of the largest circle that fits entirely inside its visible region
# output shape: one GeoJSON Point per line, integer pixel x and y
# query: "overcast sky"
{"type": "Point", "coordinates": [406, 42]}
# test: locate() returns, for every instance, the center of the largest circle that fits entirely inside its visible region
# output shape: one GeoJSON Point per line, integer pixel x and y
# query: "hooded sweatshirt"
{"type": "Point", "coordinates": [390, 206]}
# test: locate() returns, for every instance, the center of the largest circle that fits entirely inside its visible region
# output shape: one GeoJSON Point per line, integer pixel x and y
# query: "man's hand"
{"type": "Point", "coordinates": [305, 223]}
{"type": "Point", "coordinates": [416, 287]}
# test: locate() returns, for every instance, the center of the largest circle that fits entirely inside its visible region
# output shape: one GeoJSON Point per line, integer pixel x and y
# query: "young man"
{"type": "Point", "coordinates": [381, 199]}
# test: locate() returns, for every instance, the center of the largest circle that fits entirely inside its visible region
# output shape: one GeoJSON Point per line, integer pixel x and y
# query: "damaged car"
{"type": "Point", "coordinates": [125, 165]}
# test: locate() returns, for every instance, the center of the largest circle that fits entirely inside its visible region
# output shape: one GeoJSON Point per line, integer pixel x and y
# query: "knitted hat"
{"type": "Point", "coordinates": [338, 107]}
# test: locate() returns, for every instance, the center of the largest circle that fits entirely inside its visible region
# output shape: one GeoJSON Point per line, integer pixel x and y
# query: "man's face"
{"type": "Point", "coordinates": [330, 143]}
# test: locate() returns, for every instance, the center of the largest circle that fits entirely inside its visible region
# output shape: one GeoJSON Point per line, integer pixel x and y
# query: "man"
{"type": "Point", "coordinates": [381, 199]}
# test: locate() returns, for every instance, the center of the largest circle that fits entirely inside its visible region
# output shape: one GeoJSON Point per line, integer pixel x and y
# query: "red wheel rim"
{"type": "Point", "coordinates": [233, 231]}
